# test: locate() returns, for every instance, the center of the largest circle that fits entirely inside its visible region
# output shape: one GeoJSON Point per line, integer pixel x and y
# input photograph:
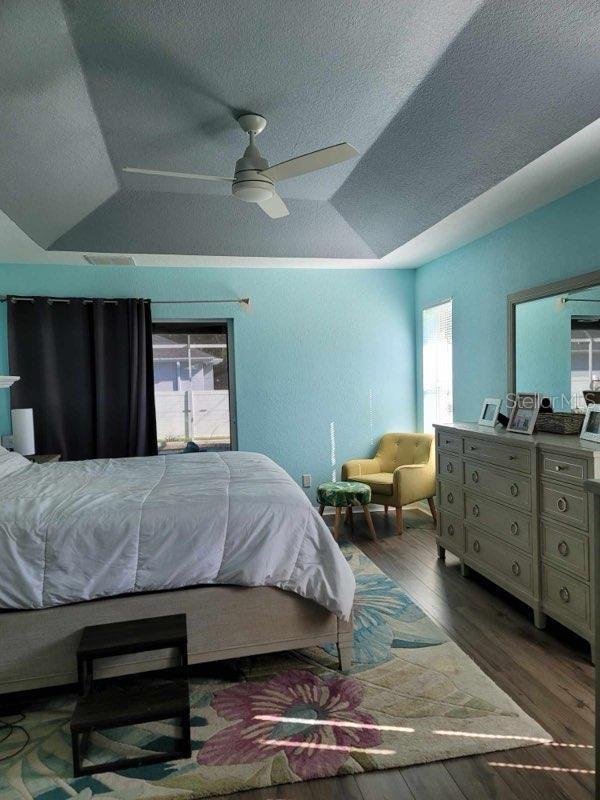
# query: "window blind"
{"type": "Point", "coordinates": [437, 365]}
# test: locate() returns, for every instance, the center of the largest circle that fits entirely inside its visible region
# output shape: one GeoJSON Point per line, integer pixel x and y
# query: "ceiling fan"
{"type": "Point", "coordinates": [254, 179]}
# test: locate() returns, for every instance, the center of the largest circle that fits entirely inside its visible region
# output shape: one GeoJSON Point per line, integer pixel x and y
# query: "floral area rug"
{"type": "Point", "coordinates": [411, 697]}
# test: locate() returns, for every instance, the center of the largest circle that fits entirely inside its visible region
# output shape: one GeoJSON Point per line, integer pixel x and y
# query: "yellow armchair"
{"type": "Point", "coordinates": [402, 472]}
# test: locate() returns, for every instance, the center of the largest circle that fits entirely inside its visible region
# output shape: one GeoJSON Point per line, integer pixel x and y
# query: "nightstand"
{"type": "Point", "coordinates": [51, 458]}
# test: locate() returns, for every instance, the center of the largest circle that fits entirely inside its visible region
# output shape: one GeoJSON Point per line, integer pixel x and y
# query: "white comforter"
{"type": "Point", "coordinates": [81, 530]}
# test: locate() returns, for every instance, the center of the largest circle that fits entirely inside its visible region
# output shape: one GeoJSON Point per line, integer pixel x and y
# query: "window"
{"type": "Point", "coordinates": [585, 358]}
{"type": "Point", "coordinates": [192, 382]}
{"type": "Point", "coordinates": [437, 365]}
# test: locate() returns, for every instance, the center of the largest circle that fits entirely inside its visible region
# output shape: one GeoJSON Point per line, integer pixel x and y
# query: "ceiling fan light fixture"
{"type": "Point", "coordinates": [253, 191]}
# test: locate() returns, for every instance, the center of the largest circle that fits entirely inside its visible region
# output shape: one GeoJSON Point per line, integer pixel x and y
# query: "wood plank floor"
{"type": "Point", "coordinates": [547, 672]}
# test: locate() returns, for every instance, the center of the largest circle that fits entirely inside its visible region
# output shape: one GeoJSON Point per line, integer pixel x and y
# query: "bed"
{"type": "Point", "coordinates": [227, 538]}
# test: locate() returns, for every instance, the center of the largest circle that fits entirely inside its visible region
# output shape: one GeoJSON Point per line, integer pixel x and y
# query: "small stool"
{"type": "Point", "coordinates": [117, 706]}
{"type": "Point", "coordinates": [345, 494]}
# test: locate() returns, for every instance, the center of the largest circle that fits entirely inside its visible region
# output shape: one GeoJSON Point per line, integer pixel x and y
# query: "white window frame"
{"type": "Point", "coordinates": [437, 366]}
{"type": "Point", "coordinates": [187, 326]}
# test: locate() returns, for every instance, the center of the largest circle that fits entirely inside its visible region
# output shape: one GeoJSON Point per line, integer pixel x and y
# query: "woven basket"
{"type": "Point", "coordinates": [565, 422]}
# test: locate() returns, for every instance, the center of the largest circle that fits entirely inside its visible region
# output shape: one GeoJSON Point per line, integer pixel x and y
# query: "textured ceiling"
{"type": "Point", "coordinates": [443, 100]}
{"type": "Point", "coordinates": [54, 167]}
{"type": "Point", "coordinates": [141, 222]}
{"type": "Point", "coordinates": [518, 80]}
{"type": "Point", "coordinates": [168, 79]}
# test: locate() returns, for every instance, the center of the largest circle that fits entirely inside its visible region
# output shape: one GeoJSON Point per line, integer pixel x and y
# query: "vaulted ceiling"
{"type": "Point", "coordinates": [443, 101]}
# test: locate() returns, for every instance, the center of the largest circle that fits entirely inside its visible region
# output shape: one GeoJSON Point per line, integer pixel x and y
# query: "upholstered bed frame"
{"type": "Point", "coordinates": [37, 647]}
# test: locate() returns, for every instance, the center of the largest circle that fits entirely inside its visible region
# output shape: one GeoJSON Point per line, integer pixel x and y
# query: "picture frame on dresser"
{"type": "Point", "coordinates": [524, 413]}
{"type": "Point", "coordinates": [591, 424]}
{"type": "Point", "coordinates": [490, 411]}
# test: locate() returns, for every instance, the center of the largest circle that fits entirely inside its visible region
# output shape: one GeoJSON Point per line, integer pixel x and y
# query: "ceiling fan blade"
{"type": "Point", "coordinates": [310, 162]}
{"type": "Point", "coordinates": [274, 207]}
{"type": "Point", "coordinates": [177, 174]}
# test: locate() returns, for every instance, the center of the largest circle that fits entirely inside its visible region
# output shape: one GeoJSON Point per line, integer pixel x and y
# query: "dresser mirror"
{"type": "Point", "coordinates": [554, 341]}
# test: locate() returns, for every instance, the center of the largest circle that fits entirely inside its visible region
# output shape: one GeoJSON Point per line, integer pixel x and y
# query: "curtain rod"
{"type": "Point", "coordinates": [579, 300]}
{"type": "Point", "coordinates": [243, 301]}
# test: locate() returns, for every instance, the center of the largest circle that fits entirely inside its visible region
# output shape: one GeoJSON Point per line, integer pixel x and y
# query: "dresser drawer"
{"type": "Point", "coordinates": [499, 454]}
{"type": "Point", "coordinates": [451, 532]}
{"type": "Point", "coordinates": [449, 467]}
{"type": "Point", "coordinates": [564, 468]}
{"type": "Point", "coordinates": [567, 550]}
{"type": "Point", "coordinates": [451, 497]}
{"type": "Point", "coordinates": [449, 441]}
{"type": "Point", "coordinates": [565, 503]}
{"type": "Point", "coordinates": [513, 565]}
{"type": "Point", "coordinates": [509, 487]}
{"type": "Point", "coordinates": [565, 597]}
{"type": "Point", "coordinates": [505, 523]}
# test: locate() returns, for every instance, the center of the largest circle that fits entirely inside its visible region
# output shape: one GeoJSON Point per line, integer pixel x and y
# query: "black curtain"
{"type": "Point", "coordinates": [86, 370]}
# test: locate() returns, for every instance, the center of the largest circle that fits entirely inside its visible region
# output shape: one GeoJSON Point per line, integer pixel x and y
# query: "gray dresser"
{"type": "Point", "coordinates": [514, 508]}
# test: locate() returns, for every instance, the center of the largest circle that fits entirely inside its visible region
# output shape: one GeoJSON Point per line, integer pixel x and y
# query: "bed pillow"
{"type": "Point", "coordinates": [11, 462]}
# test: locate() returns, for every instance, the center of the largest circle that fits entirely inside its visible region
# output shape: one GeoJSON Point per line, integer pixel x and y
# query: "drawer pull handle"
{"type": "Point", "coordinates": [563, 549]}
{"type": "Point", "coordinates": [450, 530]}
{"type": "Point", "coordinates": [447, 441]}
{"type": "Point", "coordinates": [476, 546]}
{"type": "Point", "coordinates": [449, 467]}
{"type": "Point", "coordinates": [475, 476]}
{"type": "Point", "coordinates": [472, 447]}
{"type": "Point", "coordinates": [562, 504]}
{"type": "Point", "coordinates": [450, 497]}
{"type": "Point", "coordinates": [475, 510]}
{"type": "Point", "coordinates": [559, 467]}
{"type": "Point", "coordinates": [564, 594]}
{"type": "Point", "coordinates": [514, 528]}
{"type": "Point", "coordinates": [512, 458]}
{"type": "Point", "coordinates": [516, 569]}
{"type": "Point", "coordinates": [514, 489]}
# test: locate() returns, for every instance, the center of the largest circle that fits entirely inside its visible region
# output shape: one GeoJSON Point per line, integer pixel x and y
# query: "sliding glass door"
{"type": "Point", "coordinates": [193, 385]}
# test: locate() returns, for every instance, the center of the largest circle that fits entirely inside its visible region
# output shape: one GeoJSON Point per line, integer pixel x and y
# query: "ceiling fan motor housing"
{"type": "Point", "coordinates": [249, 183]}
{"type": "Point", "coordinates": [251, 186]}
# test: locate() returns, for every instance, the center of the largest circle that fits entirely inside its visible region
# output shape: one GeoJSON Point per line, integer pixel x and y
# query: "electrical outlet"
{"type": "Point", "coordinates": [306, 481]}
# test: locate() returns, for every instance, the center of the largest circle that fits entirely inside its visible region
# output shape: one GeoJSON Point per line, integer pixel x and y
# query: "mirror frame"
{"type": "Point", "coordinates": [565, 286]}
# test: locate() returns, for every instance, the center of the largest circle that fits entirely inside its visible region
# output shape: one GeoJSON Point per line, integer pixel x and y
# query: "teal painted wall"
{"type": "Point", "coordinates": [556, 241]}
{"type": "Point", "coordinates": [317, 347]}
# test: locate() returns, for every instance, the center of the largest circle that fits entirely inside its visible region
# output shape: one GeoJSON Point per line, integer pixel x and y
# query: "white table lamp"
{"type": "Point", "coordinates": [23, 434]}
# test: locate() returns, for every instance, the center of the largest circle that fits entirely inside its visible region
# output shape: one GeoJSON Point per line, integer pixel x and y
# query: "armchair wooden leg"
{"type": "Point", "coordinates": [336, 524]}
{"type": "Point", "coordinates": [386, 509]}
{"type": "Point", "coordinates": [321, 509]}
{"type": "Point", "coordinates": [432, 509]}
{"type": "Point", "coordinates": [369, 522]}
{"type": "Point", "coordinates": [399, 521]}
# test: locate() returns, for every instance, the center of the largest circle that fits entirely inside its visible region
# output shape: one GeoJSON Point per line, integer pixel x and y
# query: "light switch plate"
{"type": "Point", "coordinates": [306, 481]}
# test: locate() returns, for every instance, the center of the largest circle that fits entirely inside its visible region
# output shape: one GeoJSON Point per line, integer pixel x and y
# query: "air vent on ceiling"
{"type": "Point", "coordinates": [110, 261]}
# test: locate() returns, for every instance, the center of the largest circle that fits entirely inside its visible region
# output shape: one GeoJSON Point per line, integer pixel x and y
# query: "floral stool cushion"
{"type": "Point", "coordinates": [344, 493]}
